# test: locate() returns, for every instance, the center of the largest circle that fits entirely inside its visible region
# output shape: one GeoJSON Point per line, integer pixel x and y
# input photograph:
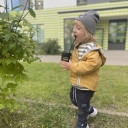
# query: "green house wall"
{"type": "Point", "coordinates": [54, 22]}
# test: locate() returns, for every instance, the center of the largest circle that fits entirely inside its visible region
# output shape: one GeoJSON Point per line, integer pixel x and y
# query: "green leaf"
{"type": "Point", "coordinates": [15, 106]}
{"type": "Point", "coordinates": [6, 118]}
{"type": "Point", "coordinates": [5, 91]}
{"type": "Point", "coordinates": [11, 110]}
{"type": "Point", "coordinates": [14, 35]}
{"type": "Point", "coordinates": [3, 22]}
{"type": "Point", "coordinates": [4, 31]}
{"type": "Point", "coordinates": [7, 78]}
{"type": "Point", "coordinates": [4, 50]}
{"type": "Point", "coordinates": [16, 7]}
{"type": "Point", "coordinates": [18, 78]}
{"type": "Point", "coordinates": [21, 40]}
{"type": "Point", "coordinates": [4, 15]}
{"type": "Point", "coordinates": [11, 45]}
{"type": "Point", "coordinates": [12, 85]}
{"type": "Point", "coordinates": [32, 13]}
{"type": "Point", "coordinates": [10, 60]}
{"type": "Point", "coordinates": [1, 106]}
{"type": "Point", "coordinates": [7, 55]}
{"type": "Point", "coordinates": [7, 37]}
{"type": "Point", "coordinates": [13, 90]}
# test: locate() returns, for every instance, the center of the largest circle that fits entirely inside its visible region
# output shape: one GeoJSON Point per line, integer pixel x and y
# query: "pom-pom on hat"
{"type": "Point", "coordinates": [89, 20]}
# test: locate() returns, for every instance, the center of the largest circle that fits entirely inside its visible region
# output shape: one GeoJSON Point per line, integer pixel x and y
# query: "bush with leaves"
{"type": "Point", "coordinates": [16, 44]}
{"type": "Point", "coordinates": [51, 47]}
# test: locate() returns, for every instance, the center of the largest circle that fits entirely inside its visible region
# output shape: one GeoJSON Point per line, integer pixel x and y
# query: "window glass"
{"type": "Point", "coordinates": [39, 4]}
{"type": "Point", "coordinates": [31, 3]}
{"type": "Point", "coordinates": [14, 4]}
{"type": "Point", "coordinates": [7, 5]}
{"type": "Point", "coordinates": [39, 34]}
{"type": "Point", "coordinates": [117, 31]}
{"type": "Point", "coordinates": [35, 37]}
{"type": "Point", "coordinates": [81, 2]}
{"type": "Point", "coordinates": [121, 32]}
{"type": "Point", "coordinates": [68, 38]}
{"type": "Point", "coordinates": [112, 32]}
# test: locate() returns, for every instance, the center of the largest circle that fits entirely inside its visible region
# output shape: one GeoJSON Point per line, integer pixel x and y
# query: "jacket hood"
{"type": "Point", "coordinates": [101, 53]}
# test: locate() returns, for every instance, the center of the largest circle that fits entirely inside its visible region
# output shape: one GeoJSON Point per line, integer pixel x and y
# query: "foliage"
{"type": "Point", "coordinates": [16, 45]}
{"type": "Point", "coordinates": [51, 47]}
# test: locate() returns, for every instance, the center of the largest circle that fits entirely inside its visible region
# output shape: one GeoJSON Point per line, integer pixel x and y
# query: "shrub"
{"type": "Point", "coordinates": [51, 47]}
{"type": "Point", "coordinates": [15, 45]}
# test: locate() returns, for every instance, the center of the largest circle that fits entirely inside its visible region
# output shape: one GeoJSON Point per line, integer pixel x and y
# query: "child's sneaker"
{"type": "Point", "coordinates": [82, 125]}
{"type": "Point", "coordinates": [92, 112]}
{"type": "Point", "coordinates": [87, 126]}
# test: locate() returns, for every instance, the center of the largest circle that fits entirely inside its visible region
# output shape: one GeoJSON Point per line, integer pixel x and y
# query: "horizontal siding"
{"type": "Point", "coordinates": [104, 25]}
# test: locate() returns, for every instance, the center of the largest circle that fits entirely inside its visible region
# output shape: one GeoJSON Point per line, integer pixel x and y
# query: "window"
{"type": "Point", "coordinates": [38, 4]}
{"type": "Point", "coordinates": [40, 33]}
{"type": "Point", "coordinates": [68, 39]}
{"type": "Point", "coordinates": [117, 0]}
{"type": "Point", "coordinates": [31, 3]}
{"type": "Point", "coordinates": [14, 4]}
{"type": "Point", "coordinates": [117, 31]}
{"type": "Point", "coordinates": [117, 34]}
{"type": "Point", "coordinates": [35, 4]}
{"type": "Point", "coordinates": [81, 2]}
{"type": "Point", "coordinates": [7, 5]}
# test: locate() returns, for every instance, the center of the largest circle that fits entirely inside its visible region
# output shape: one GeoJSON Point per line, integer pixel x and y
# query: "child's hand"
{"type": "Point", "coordinates": [65, 65]}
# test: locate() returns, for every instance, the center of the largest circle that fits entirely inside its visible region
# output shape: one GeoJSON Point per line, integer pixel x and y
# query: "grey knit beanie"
{"type": "Point", "coordinates": [89, 20]}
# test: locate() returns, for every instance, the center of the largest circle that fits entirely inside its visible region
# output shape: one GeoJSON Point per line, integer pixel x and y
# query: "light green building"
{"type": "Point", "coordinates": [54, 18]}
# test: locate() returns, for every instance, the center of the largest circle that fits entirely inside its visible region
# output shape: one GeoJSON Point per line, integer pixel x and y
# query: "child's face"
{"type": "Point", "coordinates": [79, 32]}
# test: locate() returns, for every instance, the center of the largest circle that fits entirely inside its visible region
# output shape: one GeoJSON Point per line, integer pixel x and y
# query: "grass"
{"type": "Point", "coordinates": [47, 84]}
{"type": "Point", "coordinates": [112, 89]}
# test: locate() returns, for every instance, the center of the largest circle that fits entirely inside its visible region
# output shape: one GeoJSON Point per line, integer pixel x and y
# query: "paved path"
{"type": "Point", "coordinates": [113, 58]}
{"type": "Point", "coordinates": [116, 57]}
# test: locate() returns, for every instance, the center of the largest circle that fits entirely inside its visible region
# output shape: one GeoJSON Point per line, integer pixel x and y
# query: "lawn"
{"type": "Point", "coordinates": [46, 96]}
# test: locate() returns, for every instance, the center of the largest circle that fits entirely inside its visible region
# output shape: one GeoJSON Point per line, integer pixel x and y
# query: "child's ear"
{"type": "Point", "coordinates": [85, 37]}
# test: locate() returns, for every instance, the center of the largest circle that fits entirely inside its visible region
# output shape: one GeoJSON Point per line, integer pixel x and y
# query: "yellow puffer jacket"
{"type": "Point", "coordinates": [84, 73]}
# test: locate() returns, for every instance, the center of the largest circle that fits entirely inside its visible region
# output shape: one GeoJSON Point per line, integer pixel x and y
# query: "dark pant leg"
{"type": "Point", "coordinates": [83, 98]}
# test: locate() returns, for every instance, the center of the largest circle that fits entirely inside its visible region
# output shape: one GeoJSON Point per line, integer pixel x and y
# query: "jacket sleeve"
{"type": "Point", "coordinates": [92, 61]}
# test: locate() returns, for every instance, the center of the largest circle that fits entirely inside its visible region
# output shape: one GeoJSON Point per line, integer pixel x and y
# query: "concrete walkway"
{"type": "Point", "coordinates": [117, 57]}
